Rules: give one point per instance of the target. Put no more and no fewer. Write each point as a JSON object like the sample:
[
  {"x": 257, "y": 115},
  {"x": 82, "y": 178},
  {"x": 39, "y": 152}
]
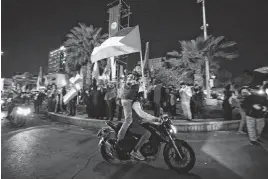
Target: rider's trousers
[{"x": 127, "y": 107}]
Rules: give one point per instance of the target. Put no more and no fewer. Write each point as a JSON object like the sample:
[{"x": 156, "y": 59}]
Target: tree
[
  {"x": 214, "y": 48},
  {"x": 243, "y": 79},
  {"x": 79, "y": 44},
  {"x": 173, "y": 71}
]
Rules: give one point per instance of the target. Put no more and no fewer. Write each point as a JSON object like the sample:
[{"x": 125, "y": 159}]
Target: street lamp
[{"x": 204, "y": 28}]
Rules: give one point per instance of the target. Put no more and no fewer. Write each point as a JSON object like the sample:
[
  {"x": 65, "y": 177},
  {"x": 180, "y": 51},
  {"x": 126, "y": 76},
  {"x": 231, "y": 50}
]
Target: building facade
[{"x": 56, "y": 60}]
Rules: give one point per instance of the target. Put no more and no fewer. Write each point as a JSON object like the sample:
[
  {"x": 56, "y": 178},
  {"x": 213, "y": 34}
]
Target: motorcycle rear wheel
[{"x": 185, "y": 149}]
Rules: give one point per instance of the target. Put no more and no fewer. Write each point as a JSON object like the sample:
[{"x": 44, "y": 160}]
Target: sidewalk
[{"x": 181, "y": 125}]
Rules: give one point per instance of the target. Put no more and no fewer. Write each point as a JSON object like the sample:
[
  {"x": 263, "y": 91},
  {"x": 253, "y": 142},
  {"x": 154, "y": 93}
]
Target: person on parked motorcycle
[{"x": 134, "y": 120}]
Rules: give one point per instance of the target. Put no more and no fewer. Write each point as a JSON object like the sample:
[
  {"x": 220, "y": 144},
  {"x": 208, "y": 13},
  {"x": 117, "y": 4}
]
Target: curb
[
  {"x": 181, "y": 126},
  {"x": 207, "y": 126}
]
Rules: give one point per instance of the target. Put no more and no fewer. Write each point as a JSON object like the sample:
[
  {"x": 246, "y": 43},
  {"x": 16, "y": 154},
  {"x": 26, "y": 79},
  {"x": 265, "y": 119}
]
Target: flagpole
[{"x": 142, "y": 74}]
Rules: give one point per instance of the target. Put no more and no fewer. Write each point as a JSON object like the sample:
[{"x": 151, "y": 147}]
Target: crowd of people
[
  {"x": 102, "y": 101},
  {"x": 107, "y": 102},
  {"x": 252, "y": 105}
]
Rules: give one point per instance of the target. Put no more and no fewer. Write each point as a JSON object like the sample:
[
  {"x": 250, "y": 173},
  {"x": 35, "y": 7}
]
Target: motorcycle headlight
[
  {"x": 173, "y": 129},
  {"x": 23, "y": 111},
  {"x": 261, "y": 92}
]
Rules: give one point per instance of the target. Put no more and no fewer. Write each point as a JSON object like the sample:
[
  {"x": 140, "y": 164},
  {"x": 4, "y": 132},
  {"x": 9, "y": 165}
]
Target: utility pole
[{"x": 204, "y": 28}]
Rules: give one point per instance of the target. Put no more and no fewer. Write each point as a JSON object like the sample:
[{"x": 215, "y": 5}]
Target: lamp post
[{"x": 204, "y": 28}]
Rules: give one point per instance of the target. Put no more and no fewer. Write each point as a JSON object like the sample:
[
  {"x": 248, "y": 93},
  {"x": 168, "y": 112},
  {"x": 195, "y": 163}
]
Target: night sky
[{"x": 31, "y": 28}]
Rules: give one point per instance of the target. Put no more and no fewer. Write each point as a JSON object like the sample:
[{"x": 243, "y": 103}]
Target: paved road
[{"x": 58, "y": 151}]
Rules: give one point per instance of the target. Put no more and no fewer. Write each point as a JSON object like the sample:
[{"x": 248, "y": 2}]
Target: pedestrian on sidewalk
[
  {"x": 95, "y": 96},
  {"x": 166, "y": 101},
  {"x": 236, "y": 103},
  {"x": 173, "y": 101},
  {"x": 118, "y": 101},
  {"x": 255, "y": 108},
  {"x": 63, "y": 93},
  {"x": 110, "y": 98},
  {"x": 198, "y": 98},
  {"x": 158, "y": 98},
  {"x": 102, "y": 105},
  {"x": 227, "y": 105},
  {"x": 185, "y": 95},
  {"x": 72, "y": 106}
]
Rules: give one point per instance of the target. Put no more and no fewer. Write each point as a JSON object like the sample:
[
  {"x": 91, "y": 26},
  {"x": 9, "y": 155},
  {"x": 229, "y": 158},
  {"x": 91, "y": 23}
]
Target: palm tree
[
  {"x": 214, "y": 48},
  {"x": 79, "y": 44}
]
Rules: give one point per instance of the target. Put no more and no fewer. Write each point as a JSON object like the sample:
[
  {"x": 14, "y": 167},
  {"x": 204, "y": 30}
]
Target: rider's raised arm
[{"x": 145, "y": 116}]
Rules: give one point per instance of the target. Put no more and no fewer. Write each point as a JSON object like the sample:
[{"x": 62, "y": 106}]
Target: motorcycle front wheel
[
  {"x": 174, "y": 162},
  {"x": 107, "y": 151},
  {"x": 19, "y": 121}
]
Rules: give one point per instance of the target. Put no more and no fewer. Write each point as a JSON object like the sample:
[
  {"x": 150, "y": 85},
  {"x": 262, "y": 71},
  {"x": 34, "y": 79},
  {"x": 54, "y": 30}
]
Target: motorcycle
[
  {"x": 20, "y": 113},
  {"x": 178, "y": 154}
]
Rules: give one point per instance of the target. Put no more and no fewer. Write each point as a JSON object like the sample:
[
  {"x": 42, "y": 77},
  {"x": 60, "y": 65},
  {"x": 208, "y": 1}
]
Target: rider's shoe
[{"x": 137, "y": 155}]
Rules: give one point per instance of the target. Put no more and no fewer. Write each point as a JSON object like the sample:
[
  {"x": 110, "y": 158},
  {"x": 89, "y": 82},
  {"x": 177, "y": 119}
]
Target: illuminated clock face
[{"x": 114, "y": 25}]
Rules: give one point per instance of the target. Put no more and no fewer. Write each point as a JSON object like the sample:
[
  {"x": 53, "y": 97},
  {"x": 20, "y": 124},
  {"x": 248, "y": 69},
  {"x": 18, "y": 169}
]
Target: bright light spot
[
  {"x": 174, "y": 129},
  {"x": 64, "y": 82},
  {"x": 260, "y": 92},
  {"x": 77, "y": 86},
  {"x": 23, "y": 111}
]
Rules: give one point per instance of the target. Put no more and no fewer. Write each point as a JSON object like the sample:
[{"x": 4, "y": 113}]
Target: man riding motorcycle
[
  {"x": 134, "y": 116},
  {"x": 16, "y": 98}
]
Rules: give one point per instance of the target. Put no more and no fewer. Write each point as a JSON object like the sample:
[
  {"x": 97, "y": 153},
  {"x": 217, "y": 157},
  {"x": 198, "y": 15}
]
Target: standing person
[
  {"x": 185, "y": 95},
  {"x": 166, "y": 100},
  {"x": 102, "y": 102},
  {"x": 95, "y": 96},
  {"x": 119, "y": 104},
  {"x": 198, "y": 101},
  {"x": 58, "y": 101},
  {"x": 255, "y": 107},
  {"x": 173, "y": 101},
  {"x": 63, "y": 93},
  {"x": 72, "y": 106},
  {"x": 110, "y": 98},
  {"x": 236, "y": 103},
  {"x": 51, "y": 99},
  {"x": 157, "y": 99},
  {"x": 227, "y": 105},
  {"x": 87, "y": 100}
]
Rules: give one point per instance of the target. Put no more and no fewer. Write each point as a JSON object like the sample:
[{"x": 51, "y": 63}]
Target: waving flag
[{"x": 125, "y": 41}]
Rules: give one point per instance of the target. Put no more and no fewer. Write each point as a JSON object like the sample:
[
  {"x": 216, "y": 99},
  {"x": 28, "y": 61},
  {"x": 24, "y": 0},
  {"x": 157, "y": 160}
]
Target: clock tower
[{"x": 119, "y": 17}]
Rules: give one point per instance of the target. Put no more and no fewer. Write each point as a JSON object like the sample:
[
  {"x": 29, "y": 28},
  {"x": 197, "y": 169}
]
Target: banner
[{"x": 114, "y": 16}]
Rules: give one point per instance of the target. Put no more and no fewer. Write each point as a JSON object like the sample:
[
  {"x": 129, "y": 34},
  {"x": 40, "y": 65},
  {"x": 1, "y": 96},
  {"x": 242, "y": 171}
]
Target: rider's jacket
[
  {"x": 138, "y": 114},
  {"x": 130, "y": 91}
]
